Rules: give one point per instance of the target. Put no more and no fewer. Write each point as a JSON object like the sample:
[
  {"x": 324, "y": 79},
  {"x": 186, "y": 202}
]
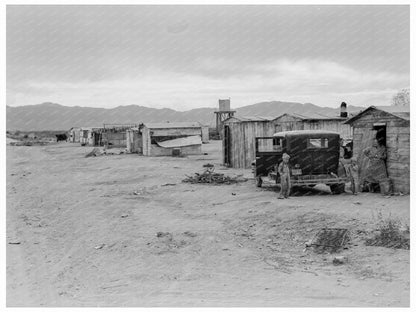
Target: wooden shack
[
  {"x": 134, "y": 140},
  {"x": 391, "y": 124},
  {"x": 171, "y": 138},
  {"x": 238, "y": 143},
  {"x": 91, "y": 136},
  {"x": 85, "y": 137},
  {"x": 239, "y": 133},
  {"x": 74, "y": 135},
  {"x": 114, "y": 135},
  {"x": 97, "y": 136}
]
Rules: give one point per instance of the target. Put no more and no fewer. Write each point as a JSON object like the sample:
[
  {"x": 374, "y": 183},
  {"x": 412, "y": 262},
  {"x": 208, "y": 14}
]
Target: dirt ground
[{"x": 83, "y": 232}]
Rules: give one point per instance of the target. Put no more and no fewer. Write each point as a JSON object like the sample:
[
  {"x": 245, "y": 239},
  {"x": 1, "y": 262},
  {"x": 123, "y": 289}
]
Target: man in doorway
[
  {"x": 376, "y": 171},
  {"x": 284, "y": 172},
  {"x": 341, "y": 149}
]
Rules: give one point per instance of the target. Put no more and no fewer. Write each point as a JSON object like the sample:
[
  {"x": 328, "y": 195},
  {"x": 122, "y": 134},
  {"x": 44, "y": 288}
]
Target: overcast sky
[{"x": 185, "y": 57}]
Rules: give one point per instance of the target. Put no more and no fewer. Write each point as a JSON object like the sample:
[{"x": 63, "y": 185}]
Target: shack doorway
[
  {"x": 97, "y": 139},
  {"x": 227, "y": 142},
  {"x": 380, "y": 130}
]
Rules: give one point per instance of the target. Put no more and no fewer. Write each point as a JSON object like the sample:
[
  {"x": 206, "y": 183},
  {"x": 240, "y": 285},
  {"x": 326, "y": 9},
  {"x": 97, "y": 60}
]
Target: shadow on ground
[{"x": 301, "y": 190}]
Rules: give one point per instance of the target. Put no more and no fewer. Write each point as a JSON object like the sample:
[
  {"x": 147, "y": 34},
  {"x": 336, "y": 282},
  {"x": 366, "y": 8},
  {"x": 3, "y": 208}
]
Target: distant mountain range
[{"x": 51, "y": 116}]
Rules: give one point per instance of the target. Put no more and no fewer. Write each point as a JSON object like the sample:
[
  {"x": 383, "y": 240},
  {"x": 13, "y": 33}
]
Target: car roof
[{"x": 305, "y": 133}]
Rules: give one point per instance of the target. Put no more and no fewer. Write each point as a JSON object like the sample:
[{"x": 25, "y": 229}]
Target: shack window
[
  {"x": 317, "y": 143},
  {"x": 269, "y": 145}
]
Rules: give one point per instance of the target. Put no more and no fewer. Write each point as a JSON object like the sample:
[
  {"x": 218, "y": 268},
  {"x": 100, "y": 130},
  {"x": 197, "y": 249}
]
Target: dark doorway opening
[
  {"x": 97, "y": 139},
  {"x": 380, "y": 134},
  {"x": 227, "y": 142}
]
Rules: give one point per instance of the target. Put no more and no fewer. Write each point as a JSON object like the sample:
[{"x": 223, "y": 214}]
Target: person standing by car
[
  {"x": 352, "y": 173},
  {"x": 284, "y": 172}
]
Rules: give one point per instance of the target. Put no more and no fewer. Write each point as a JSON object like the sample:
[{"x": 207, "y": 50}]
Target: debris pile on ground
[
  {"x": 101, "y": 246},
  {"x": 190, "y": 234},
  {"x": 165, "y": 242},
  {"x": 329, "y": 239},
  {"x": 339, "y": 260},
  {"x": 163, "y": 234},
  {"x": 209, "y": 176},
  {"x": 115, "y": 151},
  {"x": 95, "y": 152},
  {"x": 98, "y": 152}
]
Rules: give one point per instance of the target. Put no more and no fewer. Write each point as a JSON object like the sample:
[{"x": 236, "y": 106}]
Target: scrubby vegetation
[
  {"x": 33, "y": 135},
  {"x": 391, "y": 233}
]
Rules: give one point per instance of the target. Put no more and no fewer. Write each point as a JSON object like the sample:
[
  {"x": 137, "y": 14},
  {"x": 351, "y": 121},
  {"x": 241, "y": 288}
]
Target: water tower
[{"x": 224, "y": 112}]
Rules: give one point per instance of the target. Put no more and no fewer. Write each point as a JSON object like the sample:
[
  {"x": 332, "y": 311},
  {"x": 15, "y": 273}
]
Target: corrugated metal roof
[
  {"x": 90, "y": 128},
  {"x": 315, "y": 116},
  {"x": 170, "y": 125},
  {"x": 297, "y": 132},
  {"x": 303, "y": 116},
  {"x": 251, "y": 118},
  {"x": 187, "y": 141}
]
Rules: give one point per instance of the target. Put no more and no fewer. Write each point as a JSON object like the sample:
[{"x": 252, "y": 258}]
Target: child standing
[
  {"x": 352, "y": 172},
  {"x": 284, "y": 172}
]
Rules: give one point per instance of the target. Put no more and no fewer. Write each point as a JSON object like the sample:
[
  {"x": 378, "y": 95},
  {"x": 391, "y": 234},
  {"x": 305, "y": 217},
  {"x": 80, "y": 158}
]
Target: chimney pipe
[{"x": 343, "y": 112}]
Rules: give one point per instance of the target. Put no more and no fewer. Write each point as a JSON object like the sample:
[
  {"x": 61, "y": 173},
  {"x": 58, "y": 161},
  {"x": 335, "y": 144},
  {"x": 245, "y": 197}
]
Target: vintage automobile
[{"x": 314, "y": 158}]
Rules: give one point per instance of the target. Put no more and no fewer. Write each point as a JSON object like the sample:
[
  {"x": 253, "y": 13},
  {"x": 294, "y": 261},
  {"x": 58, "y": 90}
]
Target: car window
[
  {"x": 317, "y": 143},
  {"x": 277, "y": 144},
  {"x": 269, "y": 145}
]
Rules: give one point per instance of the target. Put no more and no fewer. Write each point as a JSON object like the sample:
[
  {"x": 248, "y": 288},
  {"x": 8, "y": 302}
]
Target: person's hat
[{"x": 285, "y": 156}]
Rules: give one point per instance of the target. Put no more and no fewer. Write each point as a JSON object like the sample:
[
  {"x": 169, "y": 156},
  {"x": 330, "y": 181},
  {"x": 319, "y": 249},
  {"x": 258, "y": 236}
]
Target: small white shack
[
  {"x": 204, "y": 133},
  {"x": 171, "y": 139},
  {"x": 86, "y": 136},
  {"x": 74, "y": 134}
]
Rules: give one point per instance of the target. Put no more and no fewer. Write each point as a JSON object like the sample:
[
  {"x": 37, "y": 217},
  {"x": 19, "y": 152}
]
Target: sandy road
[{"x": 86, "y": 229}]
